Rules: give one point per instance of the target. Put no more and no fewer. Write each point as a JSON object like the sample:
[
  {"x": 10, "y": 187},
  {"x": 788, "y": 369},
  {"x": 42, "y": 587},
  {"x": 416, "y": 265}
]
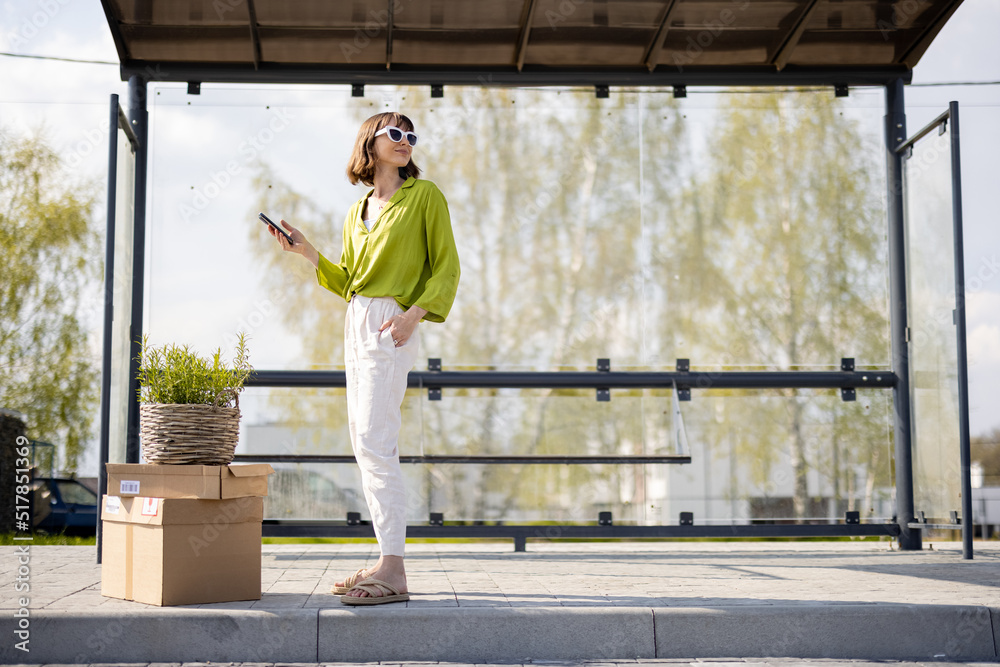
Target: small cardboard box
[
  {"x": 171, "y": 551},
  {"x": 179, "y": 481}
]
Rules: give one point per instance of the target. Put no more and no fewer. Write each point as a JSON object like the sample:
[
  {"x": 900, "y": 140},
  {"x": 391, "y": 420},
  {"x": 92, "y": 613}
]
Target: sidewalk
[{"x": 483, "y": 602}]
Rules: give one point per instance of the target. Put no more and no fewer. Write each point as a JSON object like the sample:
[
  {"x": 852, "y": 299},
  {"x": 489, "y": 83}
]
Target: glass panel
[
  {"x": 533, "y": 423},
  {"x": 930, "y": 265},
  {"x": 763, "y": 232},
  {"x": 737, "y": 230},
  {"x": 756, "y": 456},
  {"x": 315, "y": 491},
  {"x": 763, "y": 456},
  {"x": 583, "y": 232},
  {"x": 122, "y": 322}
]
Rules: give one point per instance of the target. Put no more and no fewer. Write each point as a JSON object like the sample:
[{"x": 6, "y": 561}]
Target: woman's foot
[
  {"x": 388, "y": 569},
  {"x": 341, "y": 587}
]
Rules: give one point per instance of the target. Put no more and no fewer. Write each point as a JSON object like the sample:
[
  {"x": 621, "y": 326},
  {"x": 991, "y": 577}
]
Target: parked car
[{"x": 64, "y": 505}]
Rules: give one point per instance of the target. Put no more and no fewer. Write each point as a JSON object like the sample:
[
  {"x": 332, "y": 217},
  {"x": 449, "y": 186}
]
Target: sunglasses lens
[
  {"x": 394, "y": 134},
  {"x": 412, "y": 138}
]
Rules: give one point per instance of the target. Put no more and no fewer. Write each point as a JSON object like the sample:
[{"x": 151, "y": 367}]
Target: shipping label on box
[
  {"x": 182, "y": 481},
  {"x": 150, "y": 506},
  {"x": 112, "y": 504},
  {"x": 129, "y": 487}
]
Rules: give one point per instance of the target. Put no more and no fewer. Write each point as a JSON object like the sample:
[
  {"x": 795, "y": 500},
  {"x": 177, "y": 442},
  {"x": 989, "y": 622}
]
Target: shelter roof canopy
[{"x": 531, "y": 41}]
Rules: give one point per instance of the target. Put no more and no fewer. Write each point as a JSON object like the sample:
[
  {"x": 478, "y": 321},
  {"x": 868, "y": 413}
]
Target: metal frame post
[
  {"x": 895, "y": 134},
  {"x": 963, "y": 365},
  {"x": 109, "y": 286},
  {"x": 138, "y": 117}
]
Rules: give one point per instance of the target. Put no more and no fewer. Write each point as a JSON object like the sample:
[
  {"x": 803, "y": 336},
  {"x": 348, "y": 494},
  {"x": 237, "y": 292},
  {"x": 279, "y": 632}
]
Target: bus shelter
[{"x": 604, "y": 46}]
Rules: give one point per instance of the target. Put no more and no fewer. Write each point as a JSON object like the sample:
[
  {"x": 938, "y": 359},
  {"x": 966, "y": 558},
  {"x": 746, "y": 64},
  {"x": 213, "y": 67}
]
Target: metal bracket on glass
[
  {"x": 920, "y": 522},
  {"x": 687, "y": 518},
  {"x": 434, "y": 393},
  {"x": 841, "y": 90},
  {"x": 908, "y": 153},
  {"x": 436, "y": 519},
  {"x": 354, "y": 518},
  {"x": 357, "y": 90},
  {"x": 681, "y": 447},
  {"x": 847, "y": 393},
  {"x": 683, "y": 393},
  {"x": 604, "y": 519},
  {"x": 603, "y": 393},
  {"x": 680, "y": 91},
  {"x": 437, "y": 90},
  {"x": 853, "y": 518},
  {"x": 602, "y": 91},
  {"x": 943, "y": 127}
]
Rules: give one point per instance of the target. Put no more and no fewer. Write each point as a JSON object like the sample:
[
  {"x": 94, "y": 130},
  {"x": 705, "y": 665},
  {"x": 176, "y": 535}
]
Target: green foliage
[
  {"x": 51, "y": 262},
  {"x": 43, "y": 539},
  {"x": 174, "y": 374}
]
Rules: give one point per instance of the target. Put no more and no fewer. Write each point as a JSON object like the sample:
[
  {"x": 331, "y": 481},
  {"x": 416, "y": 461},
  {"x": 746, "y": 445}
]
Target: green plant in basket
[
  {"x": 175, "y": 374},
  {"x": 190, "y": 412}
]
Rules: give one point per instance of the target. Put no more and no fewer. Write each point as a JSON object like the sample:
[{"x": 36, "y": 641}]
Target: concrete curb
[
  {"x": 509, "y": 634},
  {"x": 869, "y": 632},
  {"x": 485, "y": 634},
  {"x": 177, "y": 635}
]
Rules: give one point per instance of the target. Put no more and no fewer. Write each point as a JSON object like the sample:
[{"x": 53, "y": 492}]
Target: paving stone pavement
[
  {"x": 606, "y": 574},
  {"x": 589, "y": 603},
  {"x": 717, "y": 662}
]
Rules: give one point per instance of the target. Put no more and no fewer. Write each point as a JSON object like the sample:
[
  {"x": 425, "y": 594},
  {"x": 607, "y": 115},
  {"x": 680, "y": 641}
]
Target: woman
[{"x": 398, "y": 266}]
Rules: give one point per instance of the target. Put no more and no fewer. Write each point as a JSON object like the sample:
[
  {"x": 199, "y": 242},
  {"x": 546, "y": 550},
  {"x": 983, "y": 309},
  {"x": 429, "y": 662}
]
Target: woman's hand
[
  {"x": 402, "y": 326},
  {"x": 301, "y": 246}
]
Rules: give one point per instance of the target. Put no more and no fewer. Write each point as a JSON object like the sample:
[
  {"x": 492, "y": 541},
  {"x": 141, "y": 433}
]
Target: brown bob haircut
[{"x": 361, "y": 166}]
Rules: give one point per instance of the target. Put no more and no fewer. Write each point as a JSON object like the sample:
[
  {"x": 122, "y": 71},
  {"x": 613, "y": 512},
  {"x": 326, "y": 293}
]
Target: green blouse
[{"x": 409, "y": 254}]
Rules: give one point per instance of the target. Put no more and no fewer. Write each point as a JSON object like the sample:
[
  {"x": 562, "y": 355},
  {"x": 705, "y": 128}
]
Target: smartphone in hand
[{"x": 267, "y": 221}]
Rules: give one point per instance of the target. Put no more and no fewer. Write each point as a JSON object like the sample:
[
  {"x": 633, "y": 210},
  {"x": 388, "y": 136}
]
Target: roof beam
[
  {"x": 653, "y": 50},
  {"x": 401, "y": 74},
  {"x": 388, "y": 34},
  {"x": 784, "y": 52},
  {"x": 527, "y": 16},
  {"x": 920, "y": 44},
  {"x": 254, "y": 34}
]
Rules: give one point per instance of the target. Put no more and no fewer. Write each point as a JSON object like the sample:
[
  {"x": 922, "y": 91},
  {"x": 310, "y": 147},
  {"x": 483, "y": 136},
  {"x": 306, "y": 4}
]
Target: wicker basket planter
[
  {"x": 190, "y": 405},
  {"x": 188, "y": 434}
]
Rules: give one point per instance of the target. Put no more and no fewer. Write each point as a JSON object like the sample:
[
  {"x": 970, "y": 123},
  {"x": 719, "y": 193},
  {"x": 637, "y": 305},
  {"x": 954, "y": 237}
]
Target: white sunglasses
[{"x": 396, "y": 134}]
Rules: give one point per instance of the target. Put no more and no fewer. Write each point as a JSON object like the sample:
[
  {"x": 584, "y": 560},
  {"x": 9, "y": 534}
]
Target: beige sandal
[
  {"x": 374, "y": 587},
  {"x": 350, "y": 582}
]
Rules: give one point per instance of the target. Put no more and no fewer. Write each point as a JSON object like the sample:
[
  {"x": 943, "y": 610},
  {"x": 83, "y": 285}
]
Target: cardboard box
[
  {"x": 178, "y": 481},
  {"x": 171, "y": 551}
]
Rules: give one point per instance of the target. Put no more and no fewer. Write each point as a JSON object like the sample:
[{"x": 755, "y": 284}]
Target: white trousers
[{"x": 376, "y": 382}]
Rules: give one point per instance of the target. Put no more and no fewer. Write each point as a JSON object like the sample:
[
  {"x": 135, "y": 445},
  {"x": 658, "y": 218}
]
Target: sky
[{"x": 199, "y": 172}]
